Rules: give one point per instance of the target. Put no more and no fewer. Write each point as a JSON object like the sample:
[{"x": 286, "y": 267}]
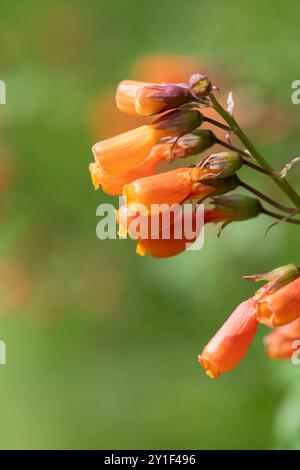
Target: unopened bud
[
  {"x": 182, "y": 121},
  {"x": 222, "y": 185},
  {"x": 192, "y": 144},
  {"x": 222, "y": 164},
  {"x": 200, "y": 85},
  {"x": 238, "y": 207},
  {"x": 154, "y": 99}
]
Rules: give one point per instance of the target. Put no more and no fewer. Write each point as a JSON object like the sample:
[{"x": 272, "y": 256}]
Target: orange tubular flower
[
  {"x": 278, "y": 346},
  {"x": 281, "y": 306},
  {"x": 165, "y": 248},
  {"x": 126, "y": 95},
  {"x": 279, "y": 343},
  {"x": 162, "y": 248},
  {"x": 113, "y": 184},
  {"x": 185, "y": 146},
  {"x": 171, "y": 187},
  {"x": 229, "y": 345},
  {"x": 124, "y": 217},
  {"x": 291, "y": 330},
  {"x": 119, "y": 154}
]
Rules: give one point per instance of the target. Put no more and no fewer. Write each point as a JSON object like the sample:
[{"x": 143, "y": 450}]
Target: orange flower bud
[
  {"x": 291, "y": 330},
  {"x": 119, "y": 154},
  {"x": 279, "y": 343},
  {"x": 191, "y": 144},
  {"x": 154, "y": 99},
  {"x": 169, "y": 188},
  {"x": 126, "y": 215},
  {"x": 185, "y": 146},
  {"x": 113, "y": 184},
  {"x": 278, "y": 346},
  {"x": 229, "y": 345},
  {"x": 280, "y": 307},
  {"x": 123, "y": 218},
  {"x": 160, "y": 247},
  {"x": 126, "y": 95}
]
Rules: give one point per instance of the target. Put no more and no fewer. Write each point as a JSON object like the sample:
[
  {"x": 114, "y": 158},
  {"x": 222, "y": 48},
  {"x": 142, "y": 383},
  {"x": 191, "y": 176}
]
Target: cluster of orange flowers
[
  {"x": 127, "y": 165},
  {"x": 277, "y": 304}
]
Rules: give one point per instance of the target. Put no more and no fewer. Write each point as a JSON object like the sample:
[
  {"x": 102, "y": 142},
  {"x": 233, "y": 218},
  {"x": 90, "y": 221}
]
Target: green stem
[
  {"x": 289, "y": 219},
  {"x": 281, "y": 182},
  {"x": 232, "y": 147},
  {"x": 245, "y": 154},
  {"x": 266, "y": 198},
  {"x": 218, "y": 124}
]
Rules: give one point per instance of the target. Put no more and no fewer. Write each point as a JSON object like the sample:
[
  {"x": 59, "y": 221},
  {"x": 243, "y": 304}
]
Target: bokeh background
[{"x": 102, "y": 344}]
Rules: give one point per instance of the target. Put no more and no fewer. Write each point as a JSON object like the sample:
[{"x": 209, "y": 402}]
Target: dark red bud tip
[
  {"x": 166, "y": 93},
  {"x": 206, "y": 137},
  {"x": 221, "y": 185},
  {"x": 182, "y": 121},
  {"x": 200, "y": 85},
  {"x": 192, "y": 143},
  {"x": 155, "y": 99},
  {"x": 225, "y": 185}
]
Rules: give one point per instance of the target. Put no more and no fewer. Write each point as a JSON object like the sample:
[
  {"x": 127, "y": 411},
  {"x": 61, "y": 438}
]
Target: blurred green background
[{"x": 102, "y": 344}]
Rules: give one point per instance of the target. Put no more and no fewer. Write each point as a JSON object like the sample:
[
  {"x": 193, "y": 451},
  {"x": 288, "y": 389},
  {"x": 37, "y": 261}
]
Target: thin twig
[
  {"x": 259, "y": 168},
  {"x": 218, "y": 124},
  {"x": 266, "y": 198},
  {"x": 234, "y": 148},
  {"x": 280, "y": 217}
]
